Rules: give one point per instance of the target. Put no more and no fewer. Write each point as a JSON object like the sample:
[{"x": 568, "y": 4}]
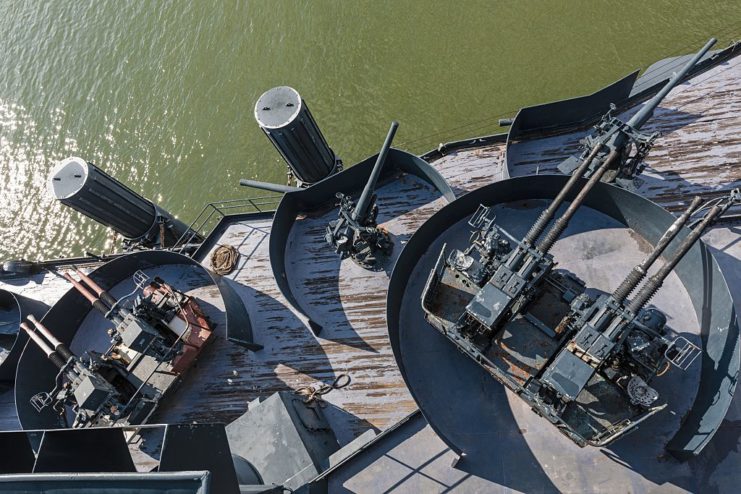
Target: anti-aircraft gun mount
[
  {"x": 621, "y": 145},
  {"x": 596, "y": 356},
  {"x": 355, "y": 233},
  {"x": 95, "y": 391},
  {"x": 154, "y": 341},
  {"x": 300, "y": 222}
]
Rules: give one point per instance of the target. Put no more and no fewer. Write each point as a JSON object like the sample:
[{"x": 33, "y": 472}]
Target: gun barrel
[
  {"x": 94, "y": 301},
  {"x": 256, "y": 184},
  {"x": 102, "y": 294},
  {"x": 645, "y": 113},
  {"x": 363, "y": 206},
  {"x": 561, "y": 223},
  {"x": 639, "y": 272},
  {"x": 43, "y": 346},
  {"x": 654, "y": 283},
  {"x": 58, "y": 346},
  {"x": 537, "y": 229}
]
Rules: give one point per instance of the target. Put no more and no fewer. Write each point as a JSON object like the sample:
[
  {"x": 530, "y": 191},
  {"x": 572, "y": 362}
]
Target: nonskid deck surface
[{"x": 698, "y": 153}]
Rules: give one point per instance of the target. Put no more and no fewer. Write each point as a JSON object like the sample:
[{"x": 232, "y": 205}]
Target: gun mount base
[
  {"x": 367, "y": 244},
  {"x": 371, "y": 249}
]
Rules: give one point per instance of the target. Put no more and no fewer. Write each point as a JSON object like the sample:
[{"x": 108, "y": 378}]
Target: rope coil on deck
[
  {"x": 224, "y": 259},
  {"x": 315, "y": 393}
]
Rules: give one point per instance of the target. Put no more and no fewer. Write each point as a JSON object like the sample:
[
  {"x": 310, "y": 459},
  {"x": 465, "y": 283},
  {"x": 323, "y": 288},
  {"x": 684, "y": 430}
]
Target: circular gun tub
[
  {"x": 496, "y": 433},
  {"x": 73, "y": 320}
]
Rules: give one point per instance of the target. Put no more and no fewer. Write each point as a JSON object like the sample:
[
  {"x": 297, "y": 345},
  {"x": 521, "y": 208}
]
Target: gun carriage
[{"x": 153, "y": 342}]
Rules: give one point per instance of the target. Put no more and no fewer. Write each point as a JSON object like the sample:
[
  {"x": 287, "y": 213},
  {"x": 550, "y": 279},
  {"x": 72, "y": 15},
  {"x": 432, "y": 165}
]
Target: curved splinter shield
[
  {"x": 14, "y": 309},
  {"x": 430, "y": 363},
  {"x": 322, "y": 195}
]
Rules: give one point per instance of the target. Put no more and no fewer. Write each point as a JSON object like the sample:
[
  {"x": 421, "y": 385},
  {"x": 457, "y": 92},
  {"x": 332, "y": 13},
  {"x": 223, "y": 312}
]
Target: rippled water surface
[{"x": 160, "y": 94}]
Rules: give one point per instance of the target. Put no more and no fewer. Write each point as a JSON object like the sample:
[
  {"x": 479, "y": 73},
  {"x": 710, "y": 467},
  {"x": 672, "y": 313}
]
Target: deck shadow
[
  {"x": 228, "y": 377},
  {"x": 538, "y": 154},
  {"x": 320, "y": 279}
]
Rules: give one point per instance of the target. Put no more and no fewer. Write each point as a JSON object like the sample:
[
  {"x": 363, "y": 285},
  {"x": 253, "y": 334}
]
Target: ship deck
[{"x": 698, "y": 153}]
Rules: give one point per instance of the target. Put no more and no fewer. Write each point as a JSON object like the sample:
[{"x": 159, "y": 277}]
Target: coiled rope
[
  {"x": 224, "y": 259},
  {"x": 315, "y": 393}
]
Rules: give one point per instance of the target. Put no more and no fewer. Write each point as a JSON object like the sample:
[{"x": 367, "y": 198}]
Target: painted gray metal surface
[
  {"x": 36, "y": 373},
  {"x": 559, "y": 116},
  {"x": 89, "y": 190},
  {"x": 17, "y": 308},
  {"x": 288, "y": 442},
  {"x": 108, "y": 483},
  {"x": 576, "y": 114},
  {"x": 83, "y": 450},
  {"x": 645, "y": 86},
  {"x": 446, "y": 405},
  {"x": 76, "y": 452},
  {"x": 659, "y": 72},
  {"x": 322, "y": 195},
  {"x": 200, "y": 447}
]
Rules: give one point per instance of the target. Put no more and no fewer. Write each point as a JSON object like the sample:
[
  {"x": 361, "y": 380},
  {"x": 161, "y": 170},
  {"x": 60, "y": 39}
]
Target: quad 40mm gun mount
[
  {"x": 597, "y": 357},
  {"x": 355, "y": 233},
  {"x": 152, "y": 344},
  {"x": 620, "y": 145},
  {"x": 88, "y": 189}
]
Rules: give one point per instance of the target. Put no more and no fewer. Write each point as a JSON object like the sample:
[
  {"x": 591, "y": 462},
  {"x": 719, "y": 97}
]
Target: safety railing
[{"x": 213, "y": 212}]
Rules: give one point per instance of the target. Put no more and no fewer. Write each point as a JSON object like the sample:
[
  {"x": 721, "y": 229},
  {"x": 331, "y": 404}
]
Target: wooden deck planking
[
  {"x": 698, "y": 150},
  {"x": 346, "y": 300}
]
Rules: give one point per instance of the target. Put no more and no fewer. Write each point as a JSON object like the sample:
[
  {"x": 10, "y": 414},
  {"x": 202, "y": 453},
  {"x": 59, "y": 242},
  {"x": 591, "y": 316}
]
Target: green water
[{"x": 160, "y": 94}]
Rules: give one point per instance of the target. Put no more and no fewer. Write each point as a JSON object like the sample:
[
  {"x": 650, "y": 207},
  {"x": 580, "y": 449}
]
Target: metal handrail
[{"x": 221, "y": 209}]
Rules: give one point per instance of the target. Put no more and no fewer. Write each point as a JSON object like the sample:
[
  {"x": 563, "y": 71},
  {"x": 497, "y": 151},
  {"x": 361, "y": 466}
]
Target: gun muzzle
[
  {"x": 57, "y": 345},
  {"x": 94, "y": 301},
  {"x": 102, "y": 294},
  {"x": 57, "y": 360},
  {"x": 645, "y": 113},
  {"x": 639, "y": 272}
]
